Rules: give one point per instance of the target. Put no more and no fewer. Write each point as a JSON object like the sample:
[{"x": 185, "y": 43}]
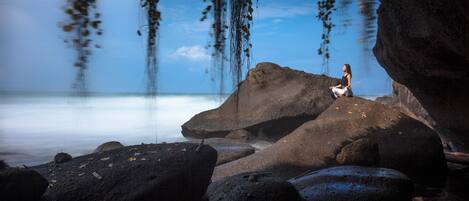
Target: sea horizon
[{"x": 36, "y": 126}]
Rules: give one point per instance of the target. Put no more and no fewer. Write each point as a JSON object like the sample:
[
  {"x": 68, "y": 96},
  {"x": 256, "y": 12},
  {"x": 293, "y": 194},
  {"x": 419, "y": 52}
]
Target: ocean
[{"x": 33, "y": 128}]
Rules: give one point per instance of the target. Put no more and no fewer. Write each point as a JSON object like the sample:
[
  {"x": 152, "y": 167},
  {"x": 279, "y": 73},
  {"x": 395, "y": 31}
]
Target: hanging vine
[
  {"x": 240, "y": 37},
  {"x": 153, "y": 18},
  {"x": 217, "y": 9},
  {"x": 368, "y": 29},
  {"x": 325, "y": 9},
  {"x": 241, "y": 15},
  {"x": 82, "y": 23}
]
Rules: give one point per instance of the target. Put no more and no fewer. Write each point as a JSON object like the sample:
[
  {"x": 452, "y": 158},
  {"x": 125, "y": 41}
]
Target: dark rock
[
  {"x": 3, "y": 165},
  {"x": 406, "y": 101},
  {"x": 227, "y": 150},
  {"x": 240, "y": 135},
  {"x": 424, "y": 45},
  {"x": 361, "y": 152},
  {"x": 254, "y": 186},
  {"x": 354, "y": 183},
  {"x": 62, "y": 157},
  {"x": 170, "y": 172},
  {"x": 270, "y": 103},
  {"x": 404, "y": 143},
  {"x": 20, "y": 184},
  {"x": 108, "y": 146}
]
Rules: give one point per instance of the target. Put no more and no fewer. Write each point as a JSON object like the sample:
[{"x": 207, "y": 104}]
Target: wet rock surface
[
  {"x": 404, "y": 143},
  {"x": 177, "y": 171},
  {"x": 62, "y": 157},
  {"x": 424, "y": 45},
  {"x": 354, "y": 183},
  {"x": 107, "y": 146},
  {"x": 227, "y": 150},
  {"x": 270, "y": 103},
  {"x": 254, "y": 186},
  {"x": 21, "y": 184}
]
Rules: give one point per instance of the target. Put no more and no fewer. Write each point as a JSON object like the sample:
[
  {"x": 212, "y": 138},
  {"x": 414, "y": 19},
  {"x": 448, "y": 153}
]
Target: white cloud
[
  {"x": 194, "y": 53},
  {"x": 283, "y": 11}
]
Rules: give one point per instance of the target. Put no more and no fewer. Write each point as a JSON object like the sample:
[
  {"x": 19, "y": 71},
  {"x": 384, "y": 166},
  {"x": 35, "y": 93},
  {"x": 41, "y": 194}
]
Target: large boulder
[
  {"x": 347, "y": 183},
  {"x": 424, "y": 45},
  {"x": 252, "y": 186},
  {"x": 270, "y": 103},
  {"x": 21, "y": 184},
  {"x": 171, "y": 172},
  {"x": 227, "y": 150},
  {"x": 403, "y": 143}
]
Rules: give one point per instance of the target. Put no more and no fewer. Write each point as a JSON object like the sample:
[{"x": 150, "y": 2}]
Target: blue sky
[{"x": 34, "y": 58}]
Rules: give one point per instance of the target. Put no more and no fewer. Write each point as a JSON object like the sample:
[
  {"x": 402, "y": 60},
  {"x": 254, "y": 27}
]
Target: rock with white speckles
[{"x": 137, "y": 173}]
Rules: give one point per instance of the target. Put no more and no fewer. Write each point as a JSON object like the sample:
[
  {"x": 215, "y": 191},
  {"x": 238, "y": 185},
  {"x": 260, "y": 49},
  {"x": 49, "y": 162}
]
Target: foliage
[
  {"x": 217, "y": 9},
  {"x": 239, "y": 33},
  {"x": 240, "y": 37},
  {"x": 325, "y": 9},
  {"x": 82, "y": 23},
  {"x": 153, "y": 18},
  {"x": 367, "y": 10}
]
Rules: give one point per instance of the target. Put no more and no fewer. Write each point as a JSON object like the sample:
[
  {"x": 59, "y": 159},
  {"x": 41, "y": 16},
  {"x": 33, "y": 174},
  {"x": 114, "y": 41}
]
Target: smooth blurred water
[{"x": 34, "y": 128}]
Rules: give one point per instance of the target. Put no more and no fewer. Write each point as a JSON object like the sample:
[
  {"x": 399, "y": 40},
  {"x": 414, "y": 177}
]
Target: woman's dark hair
[{"x": 348, "y": 69}]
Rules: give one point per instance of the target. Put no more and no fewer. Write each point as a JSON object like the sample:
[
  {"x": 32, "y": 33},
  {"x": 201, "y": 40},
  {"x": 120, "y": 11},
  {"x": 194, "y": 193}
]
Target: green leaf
[{"x": 67, "y": 28}]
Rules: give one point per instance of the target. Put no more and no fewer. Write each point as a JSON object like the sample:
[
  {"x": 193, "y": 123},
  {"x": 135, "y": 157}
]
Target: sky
[{"x": 33, "y": 56}]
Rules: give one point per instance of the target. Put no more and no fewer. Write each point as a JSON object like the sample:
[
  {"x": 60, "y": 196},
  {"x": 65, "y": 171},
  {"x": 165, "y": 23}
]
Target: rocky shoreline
[
  {"x": 409, "y": 148},
  {"x": 353, "y": 149}
]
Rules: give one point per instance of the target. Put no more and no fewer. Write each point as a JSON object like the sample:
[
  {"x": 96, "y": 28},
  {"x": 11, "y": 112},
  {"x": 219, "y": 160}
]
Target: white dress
[{"x": 339, "y": 91}]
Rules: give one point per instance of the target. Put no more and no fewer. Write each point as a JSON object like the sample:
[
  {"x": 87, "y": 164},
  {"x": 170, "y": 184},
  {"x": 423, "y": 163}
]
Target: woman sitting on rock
[{"x": 345, "y": 86}]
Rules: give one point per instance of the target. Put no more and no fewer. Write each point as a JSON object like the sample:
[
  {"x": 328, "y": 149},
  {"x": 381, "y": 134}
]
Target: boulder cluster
[{"x": 322, "y": 149}]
